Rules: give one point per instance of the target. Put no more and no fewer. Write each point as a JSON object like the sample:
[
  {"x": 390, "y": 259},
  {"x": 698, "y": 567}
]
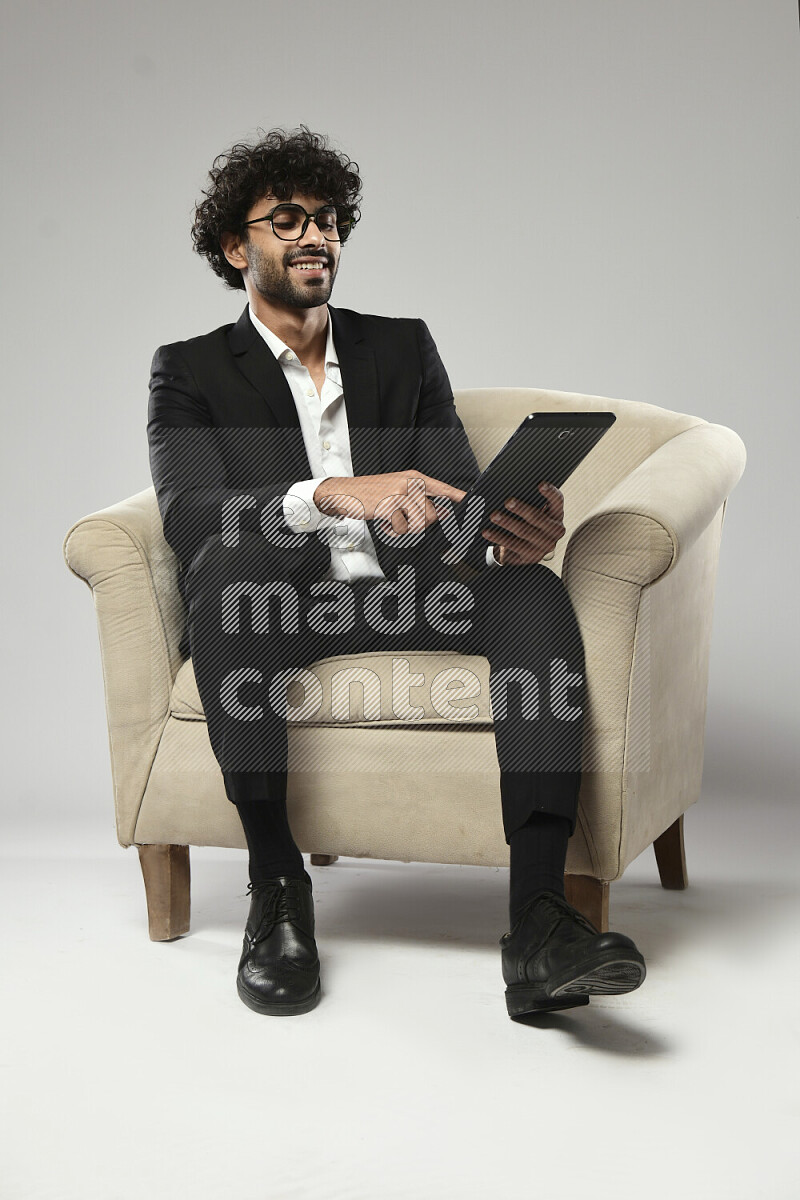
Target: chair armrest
[
  {"x": 120, "y": 552},
  {"x": 639, "y": 530},
  {"x": 633, "y": 537}
]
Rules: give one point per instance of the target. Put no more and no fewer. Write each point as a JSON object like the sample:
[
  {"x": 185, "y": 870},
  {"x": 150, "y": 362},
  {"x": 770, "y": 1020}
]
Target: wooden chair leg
[
  {"x": 323, "y": 860},
  {"x": 671, "y": 856},
  {"x": 590, "y": 897},
  {"x": 165, "y": 870}
]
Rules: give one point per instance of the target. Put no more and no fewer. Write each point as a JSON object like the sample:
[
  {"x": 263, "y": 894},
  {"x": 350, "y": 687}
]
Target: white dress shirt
[{"x": 326, "y": 436}]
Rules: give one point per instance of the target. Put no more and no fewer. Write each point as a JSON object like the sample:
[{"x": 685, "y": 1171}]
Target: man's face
[{"x": 299, "y": 274}]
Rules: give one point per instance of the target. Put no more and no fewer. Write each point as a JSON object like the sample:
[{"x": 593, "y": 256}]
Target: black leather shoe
[
  {"x": 555, "y": 958},
  {"x": 279, "y": 967}
]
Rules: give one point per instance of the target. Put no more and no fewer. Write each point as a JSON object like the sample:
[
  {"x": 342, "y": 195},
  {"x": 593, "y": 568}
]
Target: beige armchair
[{"x": 644, "y": 517}]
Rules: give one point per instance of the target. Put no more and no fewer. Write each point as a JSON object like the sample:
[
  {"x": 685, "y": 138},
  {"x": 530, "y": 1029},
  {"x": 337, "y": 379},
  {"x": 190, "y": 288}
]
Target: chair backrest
[{"x": 490, "y": 416}]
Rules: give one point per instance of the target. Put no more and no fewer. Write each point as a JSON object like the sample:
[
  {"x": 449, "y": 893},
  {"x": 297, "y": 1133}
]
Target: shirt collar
[{"x": 281, "y": 350}]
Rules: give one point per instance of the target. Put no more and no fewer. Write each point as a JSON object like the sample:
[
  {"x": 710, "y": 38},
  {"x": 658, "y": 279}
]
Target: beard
[{"x": 273, "y": 280}]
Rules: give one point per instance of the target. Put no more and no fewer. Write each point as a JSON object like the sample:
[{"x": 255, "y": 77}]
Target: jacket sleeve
[{"x": 196, "y": 498}]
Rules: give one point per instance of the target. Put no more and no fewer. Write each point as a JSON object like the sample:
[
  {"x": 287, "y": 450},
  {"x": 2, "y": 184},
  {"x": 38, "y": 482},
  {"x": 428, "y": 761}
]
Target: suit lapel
[
  {"x": 260, "y": 367},
  {"x": 359, "y": 382},
  {"x": 361, "y": 391}
]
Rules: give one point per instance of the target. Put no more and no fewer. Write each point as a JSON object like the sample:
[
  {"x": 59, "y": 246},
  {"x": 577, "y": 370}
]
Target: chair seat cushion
[{"x": 414, "y": 687}]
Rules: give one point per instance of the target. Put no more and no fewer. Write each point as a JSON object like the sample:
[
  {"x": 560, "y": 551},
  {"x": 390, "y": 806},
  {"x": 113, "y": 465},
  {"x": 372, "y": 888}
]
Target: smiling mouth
[{"x": 315, "y": 265}]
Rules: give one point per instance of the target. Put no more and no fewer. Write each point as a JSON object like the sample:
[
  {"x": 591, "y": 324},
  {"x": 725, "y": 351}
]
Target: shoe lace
[
  {"x": 279, "y": 902},
  {"x": 565, "y": 910}
]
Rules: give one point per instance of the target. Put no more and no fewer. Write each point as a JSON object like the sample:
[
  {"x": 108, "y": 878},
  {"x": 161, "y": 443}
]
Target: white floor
[{"x": 133, "y": 1072}]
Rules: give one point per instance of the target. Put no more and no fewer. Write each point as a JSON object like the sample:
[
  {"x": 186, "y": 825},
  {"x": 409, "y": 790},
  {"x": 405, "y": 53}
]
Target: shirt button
[
  {"x": 350, "y": 546},
  {"x": 309, "y": 391},
  {"x": 326, "y": 445},
  {"x": 289, "y": 356}
]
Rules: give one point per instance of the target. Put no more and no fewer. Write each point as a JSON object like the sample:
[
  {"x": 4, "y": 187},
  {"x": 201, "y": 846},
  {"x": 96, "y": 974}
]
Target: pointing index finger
[{"x": 437, "y": 487}]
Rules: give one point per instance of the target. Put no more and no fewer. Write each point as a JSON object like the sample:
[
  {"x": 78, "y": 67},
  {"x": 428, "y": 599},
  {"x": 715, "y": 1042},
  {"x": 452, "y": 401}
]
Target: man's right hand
[{"x": 402, "y": 500}]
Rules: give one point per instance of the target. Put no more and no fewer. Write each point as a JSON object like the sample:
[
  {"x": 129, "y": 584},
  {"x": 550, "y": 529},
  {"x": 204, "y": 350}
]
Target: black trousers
[{"x": 254, "y": 620}]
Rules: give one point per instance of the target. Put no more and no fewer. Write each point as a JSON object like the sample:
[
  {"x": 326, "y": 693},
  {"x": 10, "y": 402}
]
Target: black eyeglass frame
[{"x": 351, "y": 222}]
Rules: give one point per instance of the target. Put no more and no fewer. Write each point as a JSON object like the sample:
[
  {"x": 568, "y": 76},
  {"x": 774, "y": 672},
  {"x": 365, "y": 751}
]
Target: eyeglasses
[{"x": 290, "y": 221}]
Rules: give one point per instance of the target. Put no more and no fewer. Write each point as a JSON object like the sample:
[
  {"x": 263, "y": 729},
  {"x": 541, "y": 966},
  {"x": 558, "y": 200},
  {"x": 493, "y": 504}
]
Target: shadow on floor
[{"x": 360, "y": 899}]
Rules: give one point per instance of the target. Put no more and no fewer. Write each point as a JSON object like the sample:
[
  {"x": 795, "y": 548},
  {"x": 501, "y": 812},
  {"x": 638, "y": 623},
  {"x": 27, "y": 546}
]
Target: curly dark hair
[{"x": 281, "y": 163}]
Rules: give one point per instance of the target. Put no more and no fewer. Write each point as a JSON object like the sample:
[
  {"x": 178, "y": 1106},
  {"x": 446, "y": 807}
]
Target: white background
[{"x": 597, "y": 196}]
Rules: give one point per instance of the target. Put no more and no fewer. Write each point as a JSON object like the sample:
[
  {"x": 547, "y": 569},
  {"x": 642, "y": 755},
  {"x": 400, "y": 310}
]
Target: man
[{"x": 307, "y": 452}]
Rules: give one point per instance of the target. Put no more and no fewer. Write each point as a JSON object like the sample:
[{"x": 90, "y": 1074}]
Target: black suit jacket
[{"x": 223, "y": 423}]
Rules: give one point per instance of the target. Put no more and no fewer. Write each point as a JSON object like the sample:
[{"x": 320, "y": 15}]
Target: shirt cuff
[
  {"x": 299, "y": 510},
  {"x": 491, "y": 561}
]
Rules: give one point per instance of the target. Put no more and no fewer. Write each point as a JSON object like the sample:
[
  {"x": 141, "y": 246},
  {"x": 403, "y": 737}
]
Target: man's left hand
[{"x": 532, "y": 532}]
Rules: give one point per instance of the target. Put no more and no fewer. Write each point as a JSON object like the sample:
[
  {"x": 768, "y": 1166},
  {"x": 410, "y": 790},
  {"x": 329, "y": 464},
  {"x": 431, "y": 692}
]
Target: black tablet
[{"x": 546, "y": 448}]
